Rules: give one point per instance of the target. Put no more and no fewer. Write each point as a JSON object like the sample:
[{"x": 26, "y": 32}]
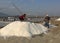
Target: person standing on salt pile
[
  {"x": 22, "y": 17},
  {"x": 46, "y": 20}
]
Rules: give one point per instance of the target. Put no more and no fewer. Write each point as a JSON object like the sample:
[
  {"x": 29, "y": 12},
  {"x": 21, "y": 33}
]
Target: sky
[{"x": 30, "y": 7}]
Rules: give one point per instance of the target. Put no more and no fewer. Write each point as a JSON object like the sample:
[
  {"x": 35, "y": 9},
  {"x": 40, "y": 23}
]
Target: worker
[
  {"x": 46, "y": 20},
  {"x": 22, "y": 17}
]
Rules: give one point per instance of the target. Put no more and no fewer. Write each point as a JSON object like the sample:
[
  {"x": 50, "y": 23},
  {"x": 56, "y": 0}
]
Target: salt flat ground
[{"x": 53, "y": 36}]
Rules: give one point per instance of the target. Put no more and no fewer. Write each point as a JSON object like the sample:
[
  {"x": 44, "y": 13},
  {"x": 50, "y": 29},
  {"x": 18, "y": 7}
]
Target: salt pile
[
  {"x": 57, "y": 19},
  {"x": 50, "y": 25},
  {"x": 23, "y": 29}
]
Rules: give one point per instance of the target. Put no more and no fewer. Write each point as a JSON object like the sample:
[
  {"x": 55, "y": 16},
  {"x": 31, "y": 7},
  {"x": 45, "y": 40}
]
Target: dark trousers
[{"x": 46, "y": 24}]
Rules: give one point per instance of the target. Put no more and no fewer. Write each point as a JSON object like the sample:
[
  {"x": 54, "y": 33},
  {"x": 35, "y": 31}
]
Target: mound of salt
[
  {"x": 23, "y": 29},
  {"x": 57, "y": 19}
]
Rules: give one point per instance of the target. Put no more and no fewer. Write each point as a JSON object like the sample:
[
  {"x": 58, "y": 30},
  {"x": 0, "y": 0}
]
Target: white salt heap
[
  {"x": 50, "y": 25},
  {"x": 22, "y": 29},
  {"x": 57, "y": 19}
]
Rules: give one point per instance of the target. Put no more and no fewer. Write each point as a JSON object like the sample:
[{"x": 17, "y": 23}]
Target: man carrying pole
[
  {"x": 46, "y": 20},
  {"x": 22, "y": 17}
]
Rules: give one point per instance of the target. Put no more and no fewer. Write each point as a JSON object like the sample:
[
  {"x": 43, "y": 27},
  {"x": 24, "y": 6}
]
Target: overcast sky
[{"x": 32, "y": 7}]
